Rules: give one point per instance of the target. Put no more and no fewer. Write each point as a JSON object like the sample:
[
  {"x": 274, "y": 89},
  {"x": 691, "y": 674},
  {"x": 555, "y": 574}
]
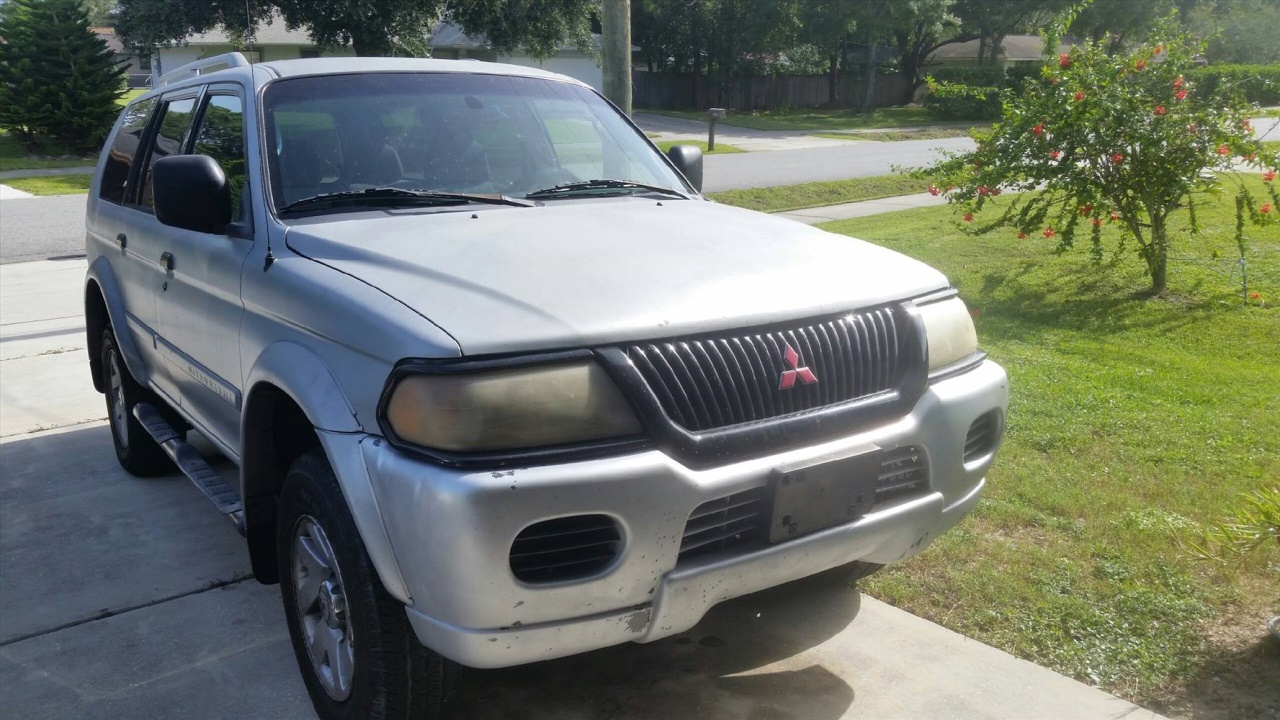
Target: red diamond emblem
[{"x": 797, "y": 372}]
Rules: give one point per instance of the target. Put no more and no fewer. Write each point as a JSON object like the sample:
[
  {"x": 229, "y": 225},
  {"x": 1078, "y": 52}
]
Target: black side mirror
[
  {"x": 191, "y": 192},
  {"x": 688, "y": 160}
]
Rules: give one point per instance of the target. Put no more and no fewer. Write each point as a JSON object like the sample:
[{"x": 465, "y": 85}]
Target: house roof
[
  {"x": 451, "y": 37},
  {"x": 1016, "y": 48},
  {"x": 109, "y": 36}
]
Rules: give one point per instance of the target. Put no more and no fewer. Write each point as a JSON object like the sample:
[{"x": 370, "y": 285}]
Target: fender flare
[
  {"x": 301, "y": 375},
  {"x": 103, "y": 274}
]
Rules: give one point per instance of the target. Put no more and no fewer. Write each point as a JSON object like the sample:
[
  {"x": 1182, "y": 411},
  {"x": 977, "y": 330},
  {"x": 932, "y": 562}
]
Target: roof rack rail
[{"x": 192, "y": 69}]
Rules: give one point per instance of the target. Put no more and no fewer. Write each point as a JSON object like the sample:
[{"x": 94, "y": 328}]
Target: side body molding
[{"x": 300, "y": 374}]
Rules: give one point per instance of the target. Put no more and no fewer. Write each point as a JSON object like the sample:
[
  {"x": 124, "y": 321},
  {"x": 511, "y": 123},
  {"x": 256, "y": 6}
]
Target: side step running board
[{"x": 192, "y": 464}]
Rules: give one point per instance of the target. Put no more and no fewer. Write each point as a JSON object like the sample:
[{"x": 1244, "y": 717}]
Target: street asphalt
[
  {"x": 130, "y": 598},
  {"x": 38, "y": 228}
]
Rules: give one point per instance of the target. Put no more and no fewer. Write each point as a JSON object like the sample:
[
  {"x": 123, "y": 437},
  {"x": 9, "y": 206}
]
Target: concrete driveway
[{"x": 129, "y": 598}]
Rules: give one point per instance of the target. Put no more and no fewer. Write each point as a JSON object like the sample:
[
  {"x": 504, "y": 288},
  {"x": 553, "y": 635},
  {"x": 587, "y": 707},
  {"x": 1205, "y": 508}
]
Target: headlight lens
[
  {"x": 950, "y": 331},
  {"x": 510, "y": 409}
]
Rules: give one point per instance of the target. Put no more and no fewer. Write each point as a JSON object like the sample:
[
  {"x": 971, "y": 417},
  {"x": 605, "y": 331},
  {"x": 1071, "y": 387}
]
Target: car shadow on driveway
[{"x": 742, "y": 661}]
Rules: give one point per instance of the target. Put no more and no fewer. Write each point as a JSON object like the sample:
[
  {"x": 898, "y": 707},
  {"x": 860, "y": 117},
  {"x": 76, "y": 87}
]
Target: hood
[{"x": 597, "y": 272}]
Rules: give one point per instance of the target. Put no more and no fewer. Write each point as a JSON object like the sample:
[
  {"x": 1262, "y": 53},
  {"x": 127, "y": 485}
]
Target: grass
[
  {"x": 1272, "y": 145},
  {"x": 721, "y": 148},
  {"x": 818, "y": 118},
  {"x": 816, "y": 194},
  {"x": 51, "y": 184},
  {"x": 898, "y": 135},
  {"x": 129, "y": 95},
  {"x": 1134, "y": 423}
]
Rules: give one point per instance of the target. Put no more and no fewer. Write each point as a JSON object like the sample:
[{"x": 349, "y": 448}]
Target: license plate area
[{"x": 808, "y": 498}]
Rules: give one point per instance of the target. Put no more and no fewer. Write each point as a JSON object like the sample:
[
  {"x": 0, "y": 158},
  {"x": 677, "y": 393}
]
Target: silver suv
[{"x": 501, "y": 386}]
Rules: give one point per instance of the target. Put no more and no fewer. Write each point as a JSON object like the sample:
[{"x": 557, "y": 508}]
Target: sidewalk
[{"x": 862, "y": 208}]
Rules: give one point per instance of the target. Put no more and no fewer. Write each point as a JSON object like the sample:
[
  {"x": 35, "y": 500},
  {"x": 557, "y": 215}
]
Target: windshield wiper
[
  {"x": 594, "y": 186},
  {"x": 391, "y": 195}
]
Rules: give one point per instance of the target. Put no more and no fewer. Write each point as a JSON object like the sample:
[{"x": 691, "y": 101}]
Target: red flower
[
  {"x": 1038, "y": 129},
  {"x": 1079, "y": 95},
  {"x": 995, "y": 192},
  {"x": 1248, "y": 126},
  {"x": 1115, "y": 215},
  {"x": 1255, "y": 296},
  {"x": 1055, "y": 154},
  {"x": 1224, "y": 149},
  {"x": 1193, "y": 128},
  {"x": 1048, "y": 232},
  {"x": 1266, "y": 208},
  {"x": 1269, "y": 175},
  {"x": 1140, "y": 65},
  {"x": 983, "y": 190},
  {"x": 1178, "y": 83},
  {"x": 1085, "y": 210},
  {"x": 1064, "y": 60},
  {"x": 1159, "y": 109},
  {"x": 1117, "y": 158},
  {"x": 1180, "y": 95},
  {"x": 1097, "y": 222},
  {"x": 1022, "y": 236},
  {"x": 933, "y": 190},
  {"x": 968, "y": 217},
  {"x": 1157, "y": 50}
]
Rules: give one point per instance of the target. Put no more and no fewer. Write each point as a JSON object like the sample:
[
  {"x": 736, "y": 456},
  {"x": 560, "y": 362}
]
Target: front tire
[
  {"x": 357, "y": 652},
  {"x": 137, "y": 451}
]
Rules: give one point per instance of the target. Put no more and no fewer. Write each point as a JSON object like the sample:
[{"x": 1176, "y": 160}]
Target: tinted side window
[
  {"x": 221, "y": 137},
  {"x": 175, "y": 128},
  {"x": 123, "y": 149}
]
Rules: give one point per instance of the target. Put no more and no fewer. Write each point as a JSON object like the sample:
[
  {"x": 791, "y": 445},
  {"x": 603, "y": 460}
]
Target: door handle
[
  {"x": 121, "y": 240},
  {"x": 166, "y": 260}
]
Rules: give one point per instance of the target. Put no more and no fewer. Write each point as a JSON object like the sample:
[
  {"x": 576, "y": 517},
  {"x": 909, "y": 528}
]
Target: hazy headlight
[
  {"x": 950, "y": 331},
  {"x": 509, "y": 409}
]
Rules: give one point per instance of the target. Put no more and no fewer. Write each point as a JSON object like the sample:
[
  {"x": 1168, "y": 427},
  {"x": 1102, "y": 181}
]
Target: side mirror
[
  {"x": 688, "y": 160},
  {"x": 191, "y": 192}
]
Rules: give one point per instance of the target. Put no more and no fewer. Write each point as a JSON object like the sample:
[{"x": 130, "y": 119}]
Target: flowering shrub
[{"x": 1128, "y": 140}]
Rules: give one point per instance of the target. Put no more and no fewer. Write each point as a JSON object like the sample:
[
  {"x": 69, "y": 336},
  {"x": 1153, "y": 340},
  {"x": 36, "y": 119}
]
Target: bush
[
  {"x": 975, "y": 75},
  {"x": 1256, "y": 83},
  {"x": 1017, "y": 76},
  {"x": 953, "y": 101}
]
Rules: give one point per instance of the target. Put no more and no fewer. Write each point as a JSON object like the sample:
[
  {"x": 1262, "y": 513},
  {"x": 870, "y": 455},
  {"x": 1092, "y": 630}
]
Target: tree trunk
[
  {"x": 1158, "y": 255},
  {"x": 982, "y": 50},
  {"x": 869, "y": 77},
  {"x": 833, "y": 87}
]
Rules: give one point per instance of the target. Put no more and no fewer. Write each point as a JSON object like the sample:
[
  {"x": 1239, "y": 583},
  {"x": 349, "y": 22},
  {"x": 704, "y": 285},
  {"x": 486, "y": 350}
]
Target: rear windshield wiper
[
  {"x": 391, "y": 195},
  {"x": 595, "y": 186}
]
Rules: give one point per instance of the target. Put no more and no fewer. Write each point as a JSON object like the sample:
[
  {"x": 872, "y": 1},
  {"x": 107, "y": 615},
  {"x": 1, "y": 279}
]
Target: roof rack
[{"x": 199, "y": 67}]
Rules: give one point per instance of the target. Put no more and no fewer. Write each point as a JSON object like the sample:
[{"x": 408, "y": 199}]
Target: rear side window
[
  {"x": 115, "y": 176},
  {"x": 170, "y": 138},
  {"x": 221, "y": 137}
]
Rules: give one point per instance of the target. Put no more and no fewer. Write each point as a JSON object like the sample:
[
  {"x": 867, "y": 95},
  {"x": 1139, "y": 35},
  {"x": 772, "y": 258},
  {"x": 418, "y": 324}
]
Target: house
[
  {"x": 271, "y": 41},
  {"x": 1015, "y": 50},
  {"x": 137, "y": 66},
  {"x": 448, "y": 42}
]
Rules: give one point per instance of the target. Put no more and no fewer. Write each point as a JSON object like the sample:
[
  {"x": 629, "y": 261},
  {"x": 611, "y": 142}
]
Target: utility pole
[{"x": 615, "y": 54}]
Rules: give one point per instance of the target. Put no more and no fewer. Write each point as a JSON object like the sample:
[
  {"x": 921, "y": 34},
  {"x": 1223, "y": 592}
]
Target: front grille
[
  {"x": 743, "y": 518},
  {"x": 981, "y": 437},
  {"x": 713, "y": 382},
  {"x": 568, "y": 548}
]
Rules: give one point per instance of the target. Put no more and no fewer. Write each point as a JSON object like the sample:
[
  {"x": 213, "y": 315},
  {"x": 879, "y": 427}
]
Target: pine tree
[{"x": 58, "y": 81}]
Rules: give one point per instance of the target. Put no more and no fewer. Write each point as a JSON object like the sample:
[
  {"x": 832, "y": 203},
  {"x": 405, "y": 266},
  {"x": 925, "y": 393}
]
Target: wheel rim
[
  {"x": 322, "y": 608},
  {"x": 115, "y": 388}
]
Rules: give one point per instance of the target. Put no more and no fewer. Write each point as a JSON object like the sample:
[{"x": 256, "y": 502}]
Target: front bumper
[{"x": 451, "y": 531}]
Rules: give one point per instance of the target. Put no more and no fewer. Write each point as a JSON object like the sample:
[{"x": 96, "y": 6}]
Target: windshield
[{"x": 450, "y": 132}]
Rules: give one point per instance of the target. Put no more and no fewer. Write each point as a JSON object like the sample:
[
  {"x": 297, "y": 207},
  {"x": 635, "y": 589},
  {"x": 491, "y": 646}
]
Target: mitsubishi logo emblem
[{"x": 789, "y": 377}]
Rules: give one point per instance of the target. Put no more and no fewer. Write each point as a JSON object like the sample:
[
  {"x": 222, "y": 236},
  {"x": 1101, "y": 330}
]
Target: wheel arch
[
  {"x": 103, "y": 308},
  {"x": 294, "y": 404}
]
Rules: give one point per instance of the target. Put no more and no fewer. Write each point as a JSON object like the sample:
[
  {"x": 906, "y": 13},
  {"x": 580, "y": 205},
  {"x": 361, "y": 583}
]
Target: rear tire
[
  {"x": 358, "y": 654},
  {"x": 136, "y": 450}
]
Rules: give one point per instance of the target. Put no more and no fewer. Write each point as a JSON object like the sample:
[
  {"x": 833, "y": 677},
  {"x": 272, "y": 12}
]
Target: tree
[
  {"x": 992, "y": 20},
  {"x": 374, "y": 27},
  {"x": 918, "y": 28},
  {"x": 1119, "y": 21},
  {"x": 1244, "y": 30},
  {"x": 827, "y": 24},
  {"x": 57, "y": 79},
  {"x": 1103, "y": 139}
]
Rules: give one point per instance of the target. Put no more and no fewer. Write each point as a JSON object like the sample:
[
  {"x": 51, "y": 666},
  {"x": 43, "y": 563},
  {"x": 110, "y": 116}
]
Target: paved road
[
  {"x": 130, "y": 598},
  {"x": 41, "y": 227}
]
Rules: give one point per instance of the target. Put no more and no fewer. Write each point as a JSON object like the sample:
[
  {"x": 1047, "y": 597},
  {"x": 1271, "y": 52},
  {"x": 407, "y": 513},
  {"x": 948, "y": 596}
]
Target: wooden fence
[{"x": 665, "y": 91}]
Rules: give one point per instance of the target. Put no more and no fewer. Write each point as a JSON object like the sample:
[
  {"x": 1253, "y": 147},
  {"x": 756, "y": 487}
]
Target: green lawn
[
  {"x": 898, "y": 135},
  {"x": 820, "y": 118},
  {"x": 129, "y": 95},
  {"x": 1133, "y": 423},
  {"x": 51, "y": 185},
  {"x": 721, "y": 148},
  {"x": 815, "y": 194}
]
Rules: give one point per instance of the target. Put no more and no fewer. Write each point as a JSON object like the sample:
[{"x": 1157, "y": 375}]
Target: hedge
[
  {"x": 975, "y": 75},
  {"x": 952, "y": 101},
  {"x": 1257, "y": 83}
]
